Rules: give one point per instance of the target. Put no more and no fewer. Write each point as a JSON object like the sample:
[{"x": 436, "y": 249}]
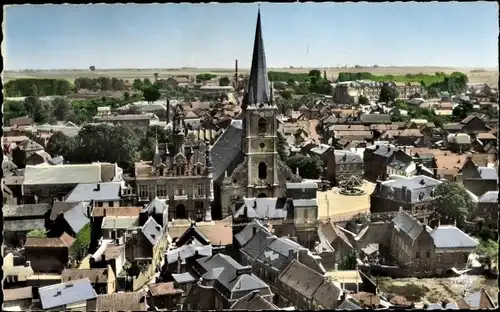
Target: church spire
[{"x": 258, "y": 85}]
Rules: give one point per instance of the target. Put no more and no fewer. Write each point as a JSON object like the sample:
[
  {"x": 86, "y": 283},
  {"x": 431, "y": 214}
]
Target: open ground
[{"x": 478, "y": 75}]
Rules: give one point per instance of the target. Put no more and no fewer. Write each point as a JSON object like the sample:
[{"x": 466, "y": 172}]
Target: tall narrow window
[
  {"x": 161, "y": 191},
  {"x": 143, "y": 191},
  {"x": 262, "y": 125},
  {"x": 201, "y": 189},
  {"x": 262, "y": 171}
]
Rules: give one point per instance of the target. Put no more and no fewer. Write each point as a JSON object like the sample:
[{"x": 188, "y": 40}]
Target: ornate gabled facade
[
  {"x": 256, "y": 170},
  {"x": 180, "y": 172}
]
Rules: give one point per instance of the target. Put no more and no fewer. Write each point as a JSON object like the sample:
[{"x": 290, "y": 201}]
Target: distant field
[{"x": 489, "y": 75}]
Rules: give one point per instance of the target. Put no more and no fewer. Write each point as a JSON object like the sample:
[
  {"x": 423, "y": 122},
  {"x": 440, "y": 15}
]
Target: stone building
[
  {"x": 180, "y": 173},
  {"x": 245, "y": 157}
]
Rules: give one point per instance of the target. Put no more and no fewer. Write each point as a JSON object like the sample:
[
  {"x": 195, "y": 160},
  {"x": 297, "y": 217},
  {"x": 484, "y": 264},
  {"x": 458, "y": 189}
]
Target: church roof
[{"x": 258, "y": 84}]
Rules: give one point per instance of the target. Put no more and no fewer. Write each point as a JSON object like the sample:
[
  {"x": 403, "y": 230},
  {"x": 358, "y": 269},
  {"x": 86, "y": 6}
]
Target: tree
[
  {"x": 363, "y": 100},
  {"x": 126, "y": 96},
  {"x": 302, "y": 88},
  {"x": 61, "y": 108},
  {"x": 286, "y": 94},
  {"x": 137, "y": 84},
  {"x": 13, "y": 109},
  {"x": 315, "y": 73},
  {"x": 291, "y": 82},
  {"x": 39, "y": 111},
  {"x": 324, "y": 75},
  {"x": 147, "y": 82},
  {"x": 349, "y": 262},
  {"x": 309, "y": 167},
  {"x": 453, "y": 203},
  {"x": 204, "y": 77},
  {"x": 224, "y": 81},
  {"x": 37, "y": 233},
  {"x": 279, "y": 85},
  {"x": 488, "y": 252},
  {"x": 281, "y": 145},
  {"x": 80, "y": 247},
  {"x": 92, "y": 68},
  {"x": 60, "y": 145},
  {"x": 151, "y": 93},
  {"x": 387, "y": 94}
]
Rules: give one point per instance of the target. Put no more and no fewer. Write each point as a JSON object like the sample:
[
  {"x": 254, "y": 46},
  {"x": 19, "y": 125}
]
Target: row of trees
[
  {"x": 37, "y": 87},
  {"x": 106, "y": 143},
  {"x": 100, "y": 84}
]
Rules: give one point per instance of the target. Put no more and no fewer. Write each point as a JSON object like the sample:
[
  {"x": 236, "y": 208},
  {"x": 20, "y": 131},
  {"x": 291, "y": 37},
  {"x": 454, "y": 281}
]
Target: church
[{"x": 245, "y": 160}]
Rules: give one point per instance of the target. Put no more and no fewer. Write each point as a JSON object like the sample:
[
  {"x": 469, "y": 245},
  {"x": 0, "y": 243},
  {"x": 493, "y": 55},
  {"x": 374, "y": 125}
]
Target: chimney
[
  {"x": 254, "y": 230},
  {"x": 435, "y": 173},
  {"x": 244, "y": 270},
  {"x": 168, "y": 110},
  {"x": 179, "y": 263}
]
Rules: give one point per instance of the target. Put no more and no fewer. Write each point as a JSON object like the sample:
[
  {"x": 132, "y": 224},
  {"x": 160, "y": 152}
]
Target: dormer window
[{"x": 421, "y": 196}]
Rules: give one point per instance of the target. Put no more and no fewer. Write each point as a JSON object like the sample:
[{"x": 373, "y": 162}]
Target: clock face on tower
[{"x": 262, "y": 114}]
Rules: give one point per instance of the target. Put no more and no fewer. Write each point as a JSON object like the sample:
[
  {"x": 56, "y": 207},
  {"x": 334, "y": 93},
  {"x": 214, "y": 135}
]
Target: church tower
[{"x": 260, "y": 126}]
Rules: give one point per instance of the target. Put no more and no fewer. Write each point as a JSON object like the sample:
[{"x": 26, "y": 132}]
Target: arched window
[
  {"x": 262, "y": 125},
  {"x": 262, "y": 195},
  {"x": 262, "y": 171}
]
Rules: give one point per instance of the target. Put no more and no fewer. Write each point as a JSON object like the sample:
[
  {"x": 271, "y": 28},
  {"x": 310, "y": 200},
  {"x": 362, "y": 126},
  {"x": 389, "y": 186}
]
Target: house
[
  {"x": 377, "y": 157},
  {"x": 165, "y": 296},
  {"x": 56, "y": 181},
  {"x": 253, "y": 302},
  {"x": 402, "y": 137},
  {"x": 224, "y": 281},
  {"x": 21, "y": 219},
  {"x": 369, "y": 119},
  {"x": 340, "y": 239},
  {"x": 470, "y": 125},
  {"x": 17, "y": 299},
  {"x": 478, "y": 179},
  {"x": 107, "y": 255},
  {"x": 20, "y": 121},
  {"x": 103, "y": 280},
  {"x": 487, "y": 208},
  {"x": 73, "y": 220},
  {"x": 424, "y": 251},
  {"x": 458, "y": 142},
  {"x": 346, "y": 165},
  {"x": 299, "y": 285},
  {"x": 158, "y": 209},
  {"x": 374, "y": 237},
  {"x": 301, "y": 190},
  {"x": 132, "y": 120},
  {"x": 410, "y": 169},
  {"x": 28, "y": 152},
  {"x": 15, "y": 276},
  {"x": 48, "y": 255},
  {"x": 124, "y": 301},
  {"x": 146, "y": 248},
  {"x": 105, "y": 194},
  {"x": 326, "y": 154},
  {"x": 476, "y": 300},
  {"x": 412, "y": 194},
  {"x": 72, "y": 296},
  {"x": 219, "y": 234}
]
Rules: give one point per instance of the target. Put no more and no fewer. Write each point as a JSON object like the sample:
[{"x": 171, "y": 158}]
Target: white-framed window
[
  {"x": 161, "y": 191},
  {"x": 201, "y": 189},
  {"x": 180, "y": 190},
  {"x": 143, "y": 191}
]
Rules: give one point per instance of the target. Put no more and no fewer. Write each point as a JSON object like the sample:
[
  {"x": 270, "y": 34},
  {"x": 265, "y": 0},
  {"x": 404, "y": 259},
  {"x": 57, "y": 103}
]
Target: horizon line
[{"x": 246, "y": 69}]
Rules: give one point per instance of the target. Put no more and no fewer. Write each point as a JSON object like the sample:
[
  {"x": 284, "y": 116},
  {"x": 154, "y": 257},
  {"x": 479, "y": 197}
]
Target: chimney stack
[
  {"x": 254, "y": 230},
  {"x": 168, "y": 110}
]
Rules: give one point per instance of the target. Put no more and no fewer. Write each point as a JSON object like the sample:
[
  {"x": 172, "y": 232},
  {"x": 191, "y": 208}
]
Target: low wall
[{"x": 384, "y": 270}]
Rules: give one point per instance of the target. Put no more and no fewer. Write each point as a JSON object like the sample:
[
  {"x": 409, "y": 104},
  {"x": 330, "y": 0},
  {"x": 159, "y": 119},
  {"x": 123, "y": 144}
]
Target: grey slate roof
[
  {"x": 63, "y": 294},
  {"x": 449, "y": 236},
  {"x": 226, "y": 148},
  {"x": 245, "y": 235},
  {"x": 253, "y": 302},
  {"x": 418, "y": 188},
  {"x": 375, "y": 118},
  {"x": 77, "y": 217},
  {"x": 488, "y": 173},
  {"x": 27, "y": 210},
  {"x": 109, "y": 223},
  {"x": 59, "y": 207},
  {"x": 342, "y": 156},
  {"x": 407, "y": 224},
  {"x": 272, "y": 208},
  {"x": 258, "y": 85},
  {"x": 321, "y": 149},
  {"x": 278, "y": 251},
  {"x": 156, "y": 206},
  {"x": 228, "y": 281},
  {"x": 152, "y": 230},
  {"x": 188, "y": 251},
  {"x": 437, "y": 306},
  {"x": 58, "y": 160},
  {"x": 348, "y": 304},
  {"x": 108, "y": 191},
  {"x": 62, "y": 174},
  {"x": 258, "y": 243},
  {"x": 490, "y": 197},
  {"x": 183, "y": 277}
]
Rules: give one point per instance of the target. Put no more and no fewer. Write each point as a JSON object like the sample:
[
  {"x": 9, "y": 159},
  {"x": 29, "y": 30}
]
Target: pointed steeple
[{"x": 258, "y": 84}]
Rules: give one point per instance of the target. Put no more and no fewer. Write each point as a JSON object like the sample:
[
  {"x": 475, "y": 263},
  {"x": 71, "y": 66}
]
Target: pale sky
[{"x": 455, "y": 34}]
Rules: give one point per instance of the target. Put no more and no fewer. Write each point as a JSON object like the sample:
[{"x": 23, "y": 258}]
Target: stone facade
[{"x": 181, "y": 173}]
